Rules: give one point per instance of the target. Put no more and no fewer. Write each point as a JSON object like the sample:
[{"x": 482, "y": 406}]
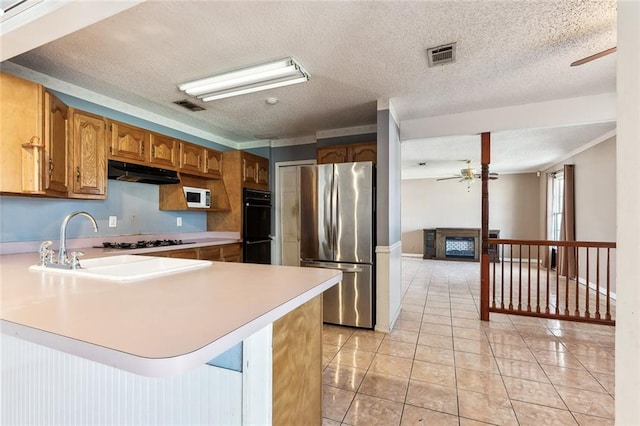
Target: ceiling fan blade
[
  {"x": 594, "y": 57},
  {"x": 449, "y": 178}
]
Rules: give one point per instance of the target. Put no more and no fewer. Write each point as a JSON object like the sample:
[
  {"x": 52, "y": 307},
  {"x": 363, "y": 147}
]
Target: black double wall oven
[{"x": 256, "y": 226}]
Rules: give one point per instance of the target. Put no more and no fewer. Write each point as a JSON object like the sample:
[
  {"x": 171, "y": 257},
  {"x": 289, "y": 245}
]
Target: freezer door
[
  {"x": 353, "y": 184},
  {"x": 316, "y": 212},
  {"x": 350, "y": 302}
]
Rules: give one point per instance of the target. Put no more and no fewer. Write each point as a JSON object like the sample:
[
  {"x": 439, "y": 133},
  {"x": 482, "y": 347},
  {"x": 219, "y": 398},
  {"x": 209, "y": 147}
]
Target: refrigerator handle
[
  {"x": 345, "y": 269},
  {"x": 335, "y": 210}
]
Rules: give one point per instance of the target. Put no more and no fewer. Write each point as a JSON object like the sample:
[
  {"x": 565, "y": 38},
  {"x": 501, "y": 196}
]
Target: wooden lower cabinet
[
  {"x": 185, "y": 253},
  {"x": 297, "y": 366},
  {"x": 222, "y": 252}
]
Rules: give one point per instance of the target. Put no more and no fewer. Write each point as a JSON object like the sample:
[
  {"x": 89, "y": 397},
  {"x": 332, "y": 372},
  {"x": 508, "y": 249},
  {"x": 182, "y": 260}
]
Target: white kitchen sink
[{"x": 128, "y": 267}]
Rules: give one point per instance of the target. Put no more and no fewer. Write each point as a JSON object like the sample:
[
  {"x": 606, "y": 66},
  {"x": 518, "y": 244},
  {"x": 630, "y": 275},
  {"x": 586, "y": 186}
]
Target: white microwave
[{"x": 199, "y": 198}]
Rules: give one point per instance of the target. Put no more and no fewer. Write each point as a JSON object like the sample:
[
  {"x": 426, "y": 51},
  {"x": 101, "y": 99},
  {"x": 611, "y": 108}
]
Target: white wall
[
  {"x": 595, "y": 190},
  {"x": 426, "y": 203},
  {"x": 628, "y": 212}
]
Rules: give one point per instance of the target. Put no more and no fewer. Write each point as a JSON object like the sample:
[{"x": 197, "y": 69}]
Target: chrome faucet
[{"x": 62, "y": 253}]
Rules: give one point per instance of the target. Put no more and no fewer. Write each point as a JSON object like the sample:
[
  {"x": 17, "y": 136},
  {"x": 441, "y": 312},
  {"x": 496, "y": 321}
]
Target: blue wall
[{"x": 135, "y": 205}]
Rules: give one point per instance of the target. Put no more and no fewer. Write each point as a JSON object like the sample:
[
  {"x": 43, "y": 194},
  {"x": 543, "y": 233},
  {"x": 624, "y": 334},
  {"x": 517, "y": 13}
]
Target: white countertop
[{"x": 157, "y": 327}]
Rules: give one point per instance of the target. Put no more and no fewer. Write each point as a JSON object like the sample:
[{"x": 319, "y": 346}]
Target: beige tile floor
[{"x": 441, "y": 365}]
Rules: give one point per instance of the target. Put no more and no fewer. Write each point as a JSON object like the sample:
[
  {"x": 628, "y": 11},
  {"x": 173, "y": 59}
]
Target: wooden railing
[{"x": 522, "y": 281}]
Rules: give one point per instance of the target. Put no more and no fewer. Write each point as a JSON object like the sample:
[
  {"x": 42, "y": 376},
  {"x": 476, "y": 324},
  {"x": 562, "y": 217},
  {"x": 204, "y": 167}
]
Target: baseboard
[{"x": 601, "y": 290}]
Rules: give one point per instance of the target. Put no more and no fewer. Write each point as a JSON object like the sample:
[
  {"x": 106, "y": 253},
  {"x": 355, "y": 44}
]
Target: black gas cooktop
[{"x": 142, "y": 244}]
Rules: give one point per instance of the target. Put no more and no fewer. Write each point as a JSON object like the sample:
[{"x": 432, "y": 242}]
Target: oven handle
[{"x": 257, "y": 242}]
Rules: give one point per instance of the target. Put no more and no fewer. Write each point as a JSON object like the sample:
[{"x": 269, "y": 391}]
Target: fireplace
[
  {"x": 460, "y": 247},
  {"x": 456, "y": 244}
]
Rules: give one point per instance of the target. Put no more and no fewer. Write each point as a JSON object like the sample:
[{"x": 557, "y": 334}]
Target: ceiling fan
[
  {"x": 469, "y": 175},
  {"x": 593, "y": 57}
]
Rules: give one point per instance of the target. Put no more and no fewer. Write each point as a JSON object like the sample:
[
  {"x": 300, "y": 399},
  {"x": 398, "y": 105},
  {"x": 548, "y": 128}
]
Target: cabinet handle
[
  {"x": 244, "y": 170},
  {"x": 206, "y": 164},
  {"x": 78, "y": 174},
  {"x": 142, "y": 148},
  {"x": 50, "y": 166},
  {"x": 111, "y": 150},
  {"x": 153, "y": 150}
]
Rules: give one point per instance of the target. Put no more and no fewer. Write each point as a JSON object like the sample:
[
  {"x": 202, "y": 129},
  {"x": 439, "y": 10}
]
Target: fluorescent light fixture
[{"x": 283, "y": 72}]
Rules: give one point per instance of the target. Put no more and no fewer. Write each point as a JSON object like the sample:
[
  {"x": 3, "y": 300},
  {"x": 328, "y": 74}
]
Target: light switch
[
  {"x": 178, "y": 221},
  {"x": 113, "y": 221}
]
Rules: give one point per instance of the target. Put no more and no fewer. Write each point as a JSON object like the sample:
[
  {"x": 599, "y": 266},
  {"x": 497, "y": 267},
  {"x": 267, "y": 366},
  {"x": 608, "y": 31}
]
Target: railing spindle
[
  {"x": 520, "y": 277},
  {"x": 538, "y": 280},
  {"x": 502, "y": 280},
  {"x": 566, "y": 281},
  {"x": 529, "y": 279},
  {"x": 510, "y": 276},
  {"x": 597, "y": 283},
  {"x": 608, "y": 313},
  {"x": 558, "y": 281},
  {"x": 493, "y": 296},
  {"x": 587, "y": 314},
  {"x": 548, "y": 256},
  {"x": 576, "y": 253}
]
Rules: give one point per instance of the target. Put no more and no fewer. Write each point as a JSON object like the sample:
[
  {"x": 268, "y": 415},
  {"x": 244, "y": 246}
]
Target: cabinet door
[
  {"x": 262, "y": 172},
  {"x": 363, "y": 152},
  {"x": 185, "y": 253},
  {"x": 56, "y": 116},
  {"x": 210, "y": 253},
  {"x": 249, "y": 168},
  {"x": 332, "y": 154},
  {"x": 191, "y": 158},
  {"x": 213, "y": 163},
  {"x": 231, "y": 252},
  {"x": 89, "y": 162},
  {"x": 21, "y": 112},
  {"x": 128, "y": 143},
  {"x": 164, "y": 151}
]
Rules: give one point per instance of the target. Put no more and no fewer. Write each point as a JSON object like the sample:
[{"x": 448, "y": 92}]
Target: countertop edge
[{"x": 161, "y": 367}]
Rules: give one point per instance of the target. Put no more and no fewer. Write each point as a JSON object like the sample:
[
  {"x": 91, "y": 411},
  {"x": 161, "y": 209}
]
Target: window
[{"x": 557, "y": 204}]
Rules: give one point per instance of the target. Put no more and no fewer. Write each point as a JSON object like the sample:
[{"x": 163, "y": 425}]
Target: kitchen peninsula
[{"x": 83, "y": 337}]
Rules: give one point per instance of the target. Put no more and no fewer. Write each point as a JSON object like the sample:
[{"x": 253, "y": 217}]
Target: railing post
[{"x": 484, "y": 259}]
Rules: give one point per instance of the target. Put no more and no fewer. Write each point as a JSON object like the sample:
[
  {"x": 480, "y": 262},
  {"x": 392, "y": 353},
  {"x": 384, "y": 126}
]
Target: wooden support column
[{"x": 484, "y": 258}]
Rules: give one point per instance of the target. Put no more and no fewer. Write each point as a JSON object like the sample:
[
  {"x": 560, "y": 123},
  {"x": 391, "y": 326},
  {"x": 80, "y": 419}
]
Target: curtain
[
  {"x": 545, "y": 252},
  {"x": 567, "y": 255}
]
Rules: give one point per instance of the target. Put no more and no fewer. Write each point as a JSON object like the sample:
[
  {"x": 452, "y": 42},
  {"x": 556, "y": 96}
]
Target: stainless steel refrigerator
[{"x": 337, "y": 231}]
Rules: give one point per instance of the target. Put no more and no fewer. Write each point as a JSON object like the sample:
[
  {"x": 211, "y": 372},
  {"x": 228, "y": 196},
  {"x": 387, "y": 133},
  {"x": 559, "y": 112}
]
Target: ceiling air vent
[
  {"x": 189, "y": 105},
  {"x": 441, "y": 55}
]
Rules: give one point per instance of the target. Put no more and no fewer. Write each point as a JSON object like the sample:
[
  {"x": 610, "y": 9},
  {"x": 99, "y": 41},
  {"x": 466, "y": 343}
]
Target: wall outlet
[
  {"x": 178, "y": 221},
  {"x": 113, "y": 221}
]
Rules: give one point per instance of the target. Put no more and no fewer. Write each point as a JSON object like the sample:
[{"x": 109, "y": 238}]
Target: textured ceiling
[{"x": 508, "y": 53}]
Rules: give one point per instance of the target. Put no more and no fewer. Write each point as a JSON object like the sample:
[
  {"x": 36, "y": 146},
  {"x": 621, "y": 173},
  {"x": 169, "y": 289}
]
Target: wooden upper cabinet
[
  {"x": 88, "y": 168},
  {"x": 164, "y": 151},
  {"x": 56, "y": 118},
  {"x": 191, "y": 158},
  {"x": 332, "y": 154},
  {"x": 21, "y": 135},
  {"x": 249, "y": 170},
  {"x": 347, "y": 153},
  {"x": 212, "y": 163},
  {"x": 255, "y": 170},
  {"x": 262, "y": 171},
  {"x": 364, "y": 152},
  {"x": 128, "y": 143}
]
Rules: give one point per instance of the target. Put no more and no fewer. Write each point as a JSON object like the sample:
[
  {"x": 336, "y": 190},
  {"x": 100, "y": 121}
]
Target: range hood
[{"x": 128, "y": 172}]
